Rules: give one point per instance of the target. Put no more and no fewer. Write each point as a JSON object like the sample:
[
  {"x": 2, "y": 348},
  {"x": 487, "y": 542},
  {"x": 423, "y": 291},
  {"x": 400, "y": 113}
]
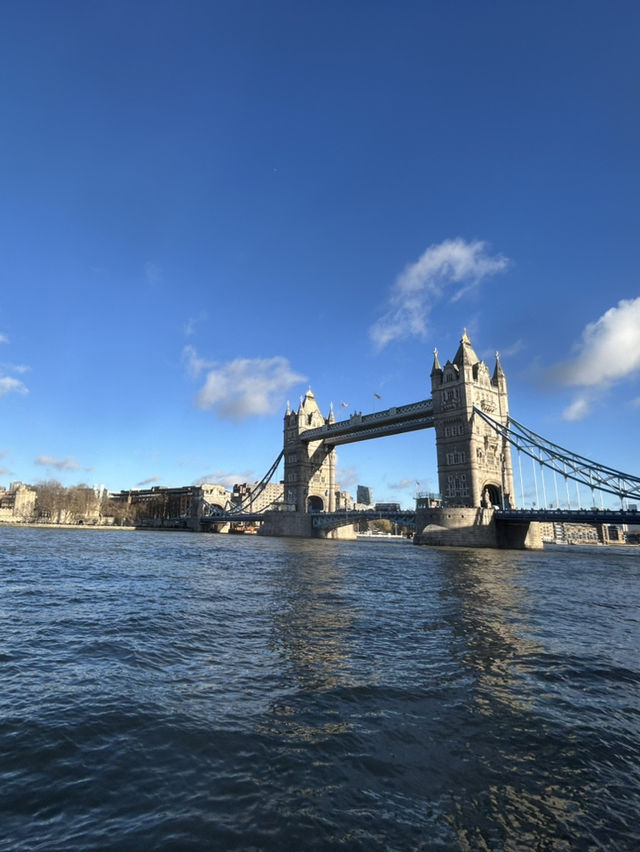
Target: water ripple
[{"x": 171, "y": 691}]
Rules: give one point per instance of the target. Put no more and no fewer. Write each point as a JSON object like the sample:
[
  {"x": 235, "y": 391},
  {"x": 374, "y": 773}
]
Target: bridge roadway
[
  {"x": 570, "y": 516},
  {"x": 362, "y": 427},
  {"x": 329, "y": 520},
  {"x": 320, "y": 520}
]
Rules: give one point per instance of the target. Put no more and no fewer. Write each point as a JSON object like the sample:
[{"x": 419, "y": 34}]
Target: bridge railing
[{"x": 357, "y": 419}]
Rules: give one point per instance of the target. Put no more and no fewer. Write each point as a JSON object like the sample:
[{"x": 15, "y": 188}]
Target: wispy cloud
[
  {"x": 191, "y": 324},
  {"x": 58, "y": 464},
  {"x": 608, "y": 352},
  {"x": 244, "y": 387},
  {"x": 152, "y": 272},
  {"x": 505, "y": 351},
  {"x": 225, "y": 478},
  {"x": 8, "y": 382},
  {"x": 10, "y": 385},
  {"x": 148, "y": 481},
  {"x": 14, "y": 368},
  {"x": 194, "y": 363},
  {"x": 404, "y": 485},
  {"x": 579, "y": 407},
  {"x": 453, "y": 266},
  {"x": 347, "y": 477}
]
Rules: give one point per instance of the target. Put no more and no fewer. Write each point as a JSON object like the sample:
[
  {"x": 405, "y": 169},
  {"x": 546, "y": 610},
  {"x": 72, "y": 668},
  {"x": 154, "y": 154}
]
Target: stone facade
[
  {"x": 246, "y": 494},
  {"x": 475, "y": 471},
  {"x": 309, "y": 467},
  {"x": 474, "y": 462},
  {"x": 17, "y": 503},
  {"x": 474, "y": 527}
]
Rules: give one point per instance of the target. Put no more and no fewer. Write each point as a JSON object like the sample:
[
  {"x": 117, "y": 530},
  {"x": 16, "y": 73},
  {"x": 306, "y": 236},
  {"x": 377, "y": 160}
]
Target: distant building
[
  {"x": 17, "y": 503},
  {"x": 364, "y": 495},
  {"x": 344, "y": 502},
  {"x": 387, "y": 507},
  {"x": 428, "y": 500},
  {"x": 173, "y": 507},
  {"x": 245, "y": 494}
]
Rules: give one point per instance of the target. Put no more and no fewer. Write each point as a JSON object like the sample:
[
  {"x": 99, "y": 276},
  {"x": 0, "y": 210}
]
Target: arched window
[{"x": 315, "y": 504}]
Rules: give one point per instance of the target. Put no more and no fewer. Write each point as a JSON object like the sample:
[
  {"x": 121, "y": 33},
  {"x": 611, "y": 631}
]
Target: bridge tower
[
  {"x": 474, "y": 463},
  {"x": 309, "y": 466}
]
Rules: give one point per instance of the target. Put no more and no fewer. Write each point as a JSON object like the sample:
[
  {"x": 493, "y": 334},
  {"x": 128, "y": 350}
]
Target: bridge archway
[
  {"x": 492, "y": 495},
  {"x": 315, "y": 504}
]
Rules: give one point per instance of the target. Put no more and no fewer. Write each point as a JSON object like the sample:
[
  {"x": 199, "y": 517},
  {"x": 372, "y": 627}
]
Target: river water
[{"x": 178, "y": 691}]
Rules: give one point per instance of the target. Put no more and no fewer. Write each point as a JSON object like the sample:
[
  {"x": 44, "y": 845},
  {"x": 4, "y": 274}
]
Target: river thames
[{"x": 183, "y": 692}]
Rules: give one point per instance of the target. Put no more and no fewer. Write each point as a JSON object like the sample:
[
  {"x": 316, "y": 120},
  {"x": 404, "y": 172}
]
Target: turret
[
  {"x": 436, "y": 370},
  {"x": 499, "y": 379}
]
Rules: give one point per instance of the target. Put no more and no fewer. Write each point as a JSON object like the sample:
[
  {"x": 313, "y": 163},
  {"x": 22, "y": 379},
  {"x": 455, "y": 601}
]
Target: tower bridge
[{"x": 469, "y": 412}]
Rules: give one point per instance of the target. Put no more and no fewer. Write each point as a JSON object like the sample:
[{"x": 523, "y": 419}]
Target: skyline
[{"x": 206, "y": 211}]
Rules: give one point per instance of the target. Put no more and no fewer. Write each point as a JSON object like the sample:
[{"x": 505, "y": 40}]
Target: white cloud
[
  {"x": 228, "y": 480},
  {"x": 608, "y": 352},
  {"x": 3, "y": 338},
  {"x": 609, "y": 349},
  {"x": 195, "y": 364},
  {"x": 636, "y": 402},
  {"x": 453, "y": 265},
  {"x": 244, "y": 387},
  {"x": 579, "y": 408},
  {"x": 58, "y": 464},
  {"x": 11, "y": 385}
]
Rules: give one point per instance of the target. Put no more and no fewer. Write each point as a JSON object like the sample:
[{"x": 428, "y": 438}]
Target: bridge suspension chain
[
  {"x": 570, "y": 465},
  {"x": 257, "y": 491}
]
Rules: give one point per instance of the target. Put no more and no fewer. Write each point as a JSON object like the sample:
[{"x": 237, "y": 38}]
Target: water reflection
[
  {"x": 311, "y": 617},
  {"x": 495, "y": 627},
  {"x": 492, "y": 623}
]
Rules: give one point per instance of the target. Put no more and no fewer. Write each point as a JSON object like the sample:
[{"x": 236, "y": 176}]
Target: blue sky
[{"x": 207, "y": 207}]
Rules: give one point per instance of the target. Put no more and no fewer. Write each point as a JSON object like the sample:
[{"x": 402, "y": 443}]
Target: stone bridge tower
[
  {"x": 474, "y": 462},
  {"x": 309, "y": 466}
]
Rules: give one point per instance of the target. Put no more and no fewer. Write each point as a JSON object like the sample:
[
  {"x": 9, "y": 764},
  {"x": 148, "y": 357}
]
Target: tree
[
  {"x": 50, "y": 500},
  {"x": 382, "y": 525}
]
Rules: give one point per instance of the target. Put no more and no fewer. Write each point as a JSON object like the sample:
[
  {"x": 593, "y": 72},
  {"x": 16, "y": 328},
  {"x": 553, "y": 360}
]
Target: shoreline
[{"x": 40, "y": 526}]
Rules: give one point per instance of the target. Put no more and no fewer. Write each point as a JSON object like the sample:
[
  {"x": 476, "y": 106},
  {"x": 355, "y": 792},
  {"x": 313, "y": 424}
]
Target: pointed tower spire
[
  {"x": 436, "y": 363},
  {"x": 332, "y": 417},
  {"x": 465, "y": 356},
  {"x": 498, "y": 373}
]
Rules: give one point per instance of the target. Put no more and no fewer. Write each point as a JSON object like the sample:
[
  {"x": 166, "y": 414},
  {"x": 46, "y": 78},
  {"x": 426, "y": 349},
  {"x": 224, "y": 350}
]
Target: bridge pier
[
  {"x": 300, "y": 525},
  {"x": 473, "y": 527}
]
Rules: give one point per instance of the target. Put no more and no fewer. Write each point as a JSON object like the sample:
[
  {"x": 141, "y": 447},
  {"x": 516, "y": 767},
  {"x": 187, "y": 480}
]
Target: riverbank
[{"x": 41, "y": 526}]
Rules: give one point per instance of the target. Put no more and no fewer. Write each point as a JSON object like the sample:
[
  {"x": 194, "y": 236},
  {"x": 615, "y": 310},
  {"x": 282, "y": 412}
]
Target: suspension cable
[{"x": 569, "y": 464}]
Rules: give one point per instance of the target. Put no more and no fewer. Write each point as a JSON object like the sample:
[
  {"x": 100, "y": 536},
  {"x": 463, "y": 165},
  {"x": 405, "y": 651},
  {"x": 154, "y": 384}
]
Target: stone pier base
[
  {"x": 461, "y": 527},
  {"x": 300, "y": 525}
]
